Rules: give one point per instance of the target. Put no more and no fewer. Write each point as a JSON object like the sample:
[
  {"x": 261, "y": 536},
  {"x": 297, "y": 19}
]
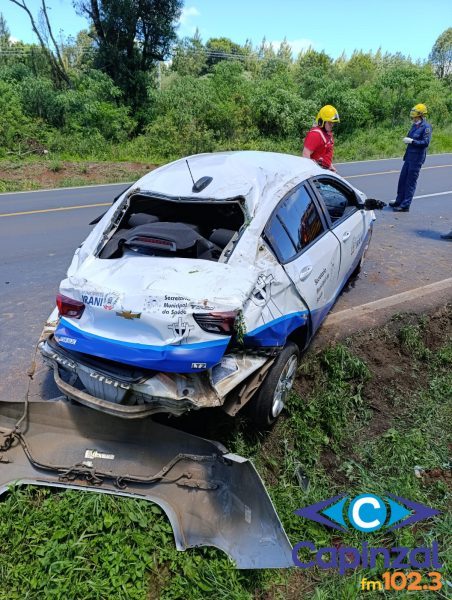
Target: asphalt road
[{"x": 39, "y": 232}]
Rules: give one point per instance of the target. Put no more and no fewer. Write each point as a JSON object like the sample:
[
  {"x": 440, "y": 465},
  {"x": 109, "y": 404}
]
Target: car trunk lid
[{"x": 142, "y": 310}]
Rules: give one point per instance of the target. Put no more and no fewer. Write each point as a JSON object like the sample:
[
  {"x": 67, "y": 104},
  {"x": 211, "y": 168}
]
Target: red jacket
[{"x": 321, "y": 144}]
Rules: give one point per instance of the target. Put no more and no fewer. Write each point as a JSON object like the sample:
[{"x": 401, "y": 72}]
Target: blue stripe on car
[
  {"x": 274, "y": 333},
  {"x": 169, "y": 358}
]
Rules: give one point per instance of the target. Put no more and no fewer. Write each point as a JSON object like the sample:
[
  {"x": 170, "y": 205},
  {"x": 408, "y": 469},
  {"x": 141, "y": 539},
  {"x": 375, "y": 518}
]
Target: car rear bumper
[
  {"x": 170, "y": 358},
  {"x": 211, "y": 497},
  {"x": 134, "y": 394}
]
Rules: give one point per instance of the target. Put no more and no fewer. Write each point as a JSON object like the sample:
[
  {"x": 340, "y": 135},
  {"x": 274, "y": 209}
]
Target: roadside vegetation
[
  {"x": 371, "y": 414},
  {"x": 210, "y": 96}
]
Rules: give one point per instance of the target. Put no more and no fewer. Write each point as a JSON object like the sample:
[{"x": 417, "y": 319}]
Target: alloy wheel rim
[{"x": 284, "y": 385}]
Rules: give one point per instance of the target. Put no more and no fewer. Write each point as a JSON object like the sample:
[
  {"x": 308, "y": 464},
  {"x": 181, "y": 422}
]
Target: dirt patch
[
  {"x": 439, "y": 328},
  {"x": 299, "y": 585},
  {"x": 430, "y": 476},
  {"x": 46, "y": 174},
  {"x": 394, "y": 371}
]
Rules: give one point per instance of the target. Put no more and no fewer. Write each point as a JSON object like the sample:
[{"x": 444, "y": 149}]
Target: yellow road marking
[
  {"x": 393, "y": 171},
  {"x": 47, "y": 210}
]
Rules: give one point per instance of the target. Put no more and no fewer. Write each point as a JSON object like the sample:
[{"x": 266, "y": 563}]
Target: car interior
[{"x": 175, "y": 227}]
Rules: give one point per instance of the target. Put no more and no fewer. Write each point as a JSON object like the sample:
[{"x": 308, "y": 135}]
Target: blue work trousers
[{"x": 407, "y": 183}]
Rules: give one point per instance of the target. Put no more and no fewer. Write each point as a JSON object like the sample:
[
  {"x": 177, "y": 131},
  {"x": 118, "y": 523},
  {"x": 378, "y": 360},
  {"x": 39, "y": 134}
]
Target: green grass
[
  {"x": 379, "y": 142},
  {"x": 77, "y": 545}
]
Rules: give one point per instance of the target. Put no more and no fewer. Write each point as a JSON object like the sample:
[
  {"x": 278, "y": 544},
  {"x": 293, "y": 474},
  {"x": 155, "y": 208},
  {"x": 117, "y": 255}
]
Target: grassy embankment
[
  {"x": 363, "y": 415},
  {"x": 83, "y": 164}
]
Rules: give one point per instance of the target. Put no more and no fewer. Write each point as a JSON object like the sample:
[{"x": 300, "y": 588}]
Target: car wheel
[
  {"x": 357, "y": 269},
  {"x": 359, "y": 266},
  {"x": 266, "y": 405}
]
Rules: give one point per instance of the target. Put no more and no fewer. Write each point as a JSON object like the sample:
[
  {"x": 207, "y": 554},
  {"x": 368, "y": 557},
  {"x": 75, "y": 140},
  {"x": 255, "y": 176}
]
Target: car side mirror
[{"x": 373, "y": 204}]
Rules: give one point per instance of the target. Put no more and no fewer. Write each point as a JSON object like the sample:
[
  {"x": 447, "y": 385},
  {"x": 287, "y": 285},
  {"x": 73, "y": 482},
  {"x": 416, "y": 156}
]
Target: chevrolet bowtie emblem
[{"x": 128, "y": 314}]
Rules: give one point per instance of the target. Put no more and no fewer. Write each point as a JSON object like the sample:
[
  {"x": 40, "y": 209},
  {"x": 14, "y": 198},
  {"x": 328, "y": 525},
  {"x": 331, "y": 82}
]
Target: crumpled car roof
[{"x": 254, "y": 175}]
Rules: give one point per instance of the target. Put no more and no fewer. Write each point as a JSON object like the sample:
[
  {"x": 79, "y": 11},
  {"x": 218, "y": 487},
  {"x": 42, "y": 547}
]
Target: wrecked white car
[
  {"x": 199, "y": 287},
  {"x": 203, "y": 283}
]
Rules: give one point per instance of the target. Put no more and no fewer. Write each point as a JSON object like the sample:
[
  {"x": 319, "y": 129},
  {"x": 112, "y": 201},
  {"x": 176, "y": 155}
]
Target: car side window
[
  {"x": 338, "y": 200},
  {"x": 295, "y": 224},
  {"x": 280, "y": 240}
]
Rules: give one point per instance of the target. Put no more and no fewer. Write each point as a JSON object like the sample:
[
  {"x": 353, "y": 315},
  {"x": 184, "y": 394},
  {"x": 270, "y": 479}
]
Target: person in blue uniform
[{"x": 417, "y": 142}]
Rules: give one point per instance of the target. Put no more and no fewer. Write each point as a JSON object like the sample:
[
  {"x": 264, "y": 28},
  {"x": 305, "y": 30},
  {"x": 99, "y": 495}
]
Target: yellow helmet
[
  {"x": 327, "y": 113},
  {"x": 420, "y": 110}
]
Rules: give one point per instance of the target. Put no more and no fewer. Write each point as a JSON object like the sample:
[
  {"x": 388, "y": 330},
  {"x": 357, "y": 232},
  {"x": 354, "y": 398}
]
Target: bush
[
  {"x": 280, "y": 112},
  {"x": 40, "y": 100},
  {"x": 267, "y": 101},
  {"x": 15, "y": 127}
]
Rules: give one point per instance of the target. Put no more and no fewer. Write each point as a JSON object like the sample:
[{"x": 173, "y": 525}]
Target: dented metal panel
[
  {"x": 211, "y": 498},
  {"x": 164, "y": 312},
  {"x": 174, "y": 393}
]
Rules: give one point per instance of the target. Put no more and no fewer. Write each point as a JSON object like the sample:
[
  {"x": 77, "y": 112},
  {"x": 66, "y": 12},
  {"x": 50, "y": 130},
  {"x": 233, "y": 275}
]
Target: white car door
[
  {"x": 348, "y": 222},
  {"x": 307, "y": 250}
]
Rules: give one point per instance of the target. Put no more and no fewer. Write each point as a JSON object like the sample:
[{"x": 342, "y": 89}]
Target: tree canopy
[
  {"x": 213, "y": 95},
  {"x": 441, "y": 54},
  {"x": 131, "y": 35}
]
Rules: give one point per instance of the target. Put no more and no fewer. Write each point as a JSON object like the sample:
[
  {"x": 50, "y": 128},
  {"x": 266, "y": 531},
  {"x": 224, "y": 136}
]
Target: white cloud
[
  {"x": 187, "y": 13},
  {"x": 186, "y": 27},
  {"x": 13, "y": 40},
  {"x": 296, "y": 45}
]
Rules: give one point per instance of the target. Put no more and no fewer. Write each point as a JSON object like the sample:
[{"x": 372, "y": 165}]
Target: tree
[
  {"x": 189, "y": 56},
  {"x": 285, "y": 52},
  {"x": 131, "y": 35},
  {"x": 4, "y": 32},
  {"x": 266, "y": 50},
  {"x": 441, "y": 54},
  {"x": 311, "y": 68},
  {"x": 79, "y": 53},
  {"x": 47, "y": 42},
  {"x": 361, "y": 68},
  {"x": 219, "y": 49}
]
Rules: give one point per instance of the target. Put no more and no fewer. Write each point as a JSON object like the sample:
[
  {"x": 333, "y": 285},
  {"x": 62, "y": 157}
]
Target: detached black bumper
[{"x": 211, "y": 497}]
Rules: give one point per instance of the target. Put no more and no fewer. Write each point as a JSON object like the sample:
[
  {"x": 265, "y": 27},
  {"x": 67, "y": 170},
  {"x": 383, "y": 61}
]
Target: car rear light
[
  {"x": 68, "y": 307},
  {"x": 156, "y": 243},
  {"x": 217, "y": 322}
]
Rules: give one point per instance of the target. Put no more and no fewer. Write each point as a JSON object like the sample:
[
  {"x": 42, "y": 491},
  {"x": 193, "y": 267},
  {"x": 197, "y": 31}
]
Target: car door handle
[
  {"x": 345, "y": 236},
  {"x": 305, "y": 272}
]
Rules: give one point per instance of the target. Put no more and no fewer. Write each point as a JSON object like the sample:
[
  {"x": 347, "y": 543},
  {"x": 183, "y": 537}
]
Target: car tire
[
  {"x": 356, "y": 270},
  {"x": 359, "y": 266},
  {"x": 266, "y": 405}
]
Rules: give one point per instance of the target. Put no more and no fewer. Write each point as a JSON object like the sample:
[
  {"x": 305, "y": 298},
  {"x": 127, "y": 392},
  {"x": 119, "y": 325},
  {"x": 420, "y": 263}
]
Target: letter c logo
[
  {"x": 297, "y": 562},
  {"x": 367, "y": 512}
]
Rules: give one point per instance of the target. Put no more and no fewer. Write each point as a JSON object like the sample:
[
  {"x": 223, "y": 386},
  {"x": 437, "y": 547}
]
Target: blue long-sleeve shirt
[{"x": 421, "y": 134}]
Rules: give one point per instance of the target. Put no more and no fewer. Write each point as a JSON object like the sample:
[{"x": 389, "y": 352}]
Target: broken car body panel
[
  {"x": 211, "y": 497},
  {"x": 268, "y": 244}
]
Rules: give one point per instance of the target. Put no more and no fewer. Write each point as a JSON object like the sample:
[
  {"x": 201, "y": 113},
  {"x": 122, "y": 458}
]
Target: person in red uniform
[{"x": 319, "y": 141}]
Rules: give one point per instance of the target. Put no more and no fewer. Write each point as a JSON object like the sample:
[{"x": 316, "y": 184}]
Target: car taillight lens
[
  {"x": 217, "y": 322},
  {"x": 68, "y": 307}
]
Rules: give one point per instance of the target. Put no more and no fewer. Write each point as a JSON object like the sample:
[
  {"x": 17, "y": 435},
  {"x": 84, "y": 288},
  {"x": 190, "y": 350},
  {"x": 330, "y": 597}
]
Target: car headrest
[
  {"x": 221, "y": 237},
  {"x": 141, "y": 219}
]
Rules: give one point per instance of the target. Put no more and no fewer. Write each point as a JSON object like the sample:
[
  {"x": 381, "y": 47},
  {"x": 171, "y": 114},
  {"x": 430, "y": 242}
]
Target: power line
[{"x": 91, "y": 49}]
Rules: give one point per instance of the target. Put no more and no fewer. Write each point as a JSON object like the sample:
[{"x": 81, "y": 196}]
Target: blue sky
[{"x": 407, "y": 26}]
